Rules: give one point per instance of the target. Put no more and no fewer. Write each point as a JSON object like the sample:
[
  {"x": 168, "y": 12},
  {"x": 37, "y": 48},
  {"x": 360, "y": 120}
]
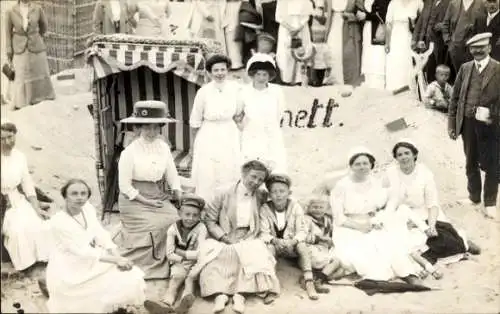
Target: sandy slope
[{"x": 57, "y": 136}]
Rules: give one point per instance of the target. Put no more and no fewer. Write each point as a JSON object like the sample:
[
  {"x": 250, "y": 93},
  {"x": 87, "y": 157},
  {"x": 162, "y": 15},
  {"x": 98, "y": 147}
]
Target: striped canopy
[{"x": 110, "y": 54}]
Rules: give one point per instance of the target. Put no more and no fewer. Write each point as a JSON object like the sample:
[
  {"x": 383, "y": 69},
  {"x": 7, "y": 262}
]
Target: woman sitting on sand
[
  {"x": 145, "y": 209},
  {"x": 412, "y": 187},
  {"x": 85, "y": 271},
  {"x": 360, "y": 245},
  {"x": 24, "y": 231}
]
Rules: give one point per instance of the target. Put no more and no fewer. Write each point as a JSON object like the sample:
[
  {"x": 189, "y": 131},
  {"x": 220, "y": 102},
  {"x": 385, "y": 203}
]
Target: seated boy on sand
[
  {"x": 283, "y": 228},
  {"x": 183, "y": 240},
  {"x": 320, "y": 226}
]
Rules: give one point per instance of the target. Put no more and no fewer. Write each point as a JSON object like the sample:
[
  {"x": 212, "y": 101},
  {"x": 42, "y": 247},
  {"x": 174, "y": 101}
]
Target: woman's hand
[
  {"x": 124, "y": 264},
  {"x": 228, "y": 240},
  {"x": 43, "y": 214}
]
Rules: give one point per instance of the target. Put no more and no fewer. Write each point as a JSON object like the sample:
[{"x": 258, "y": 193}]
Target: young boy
[
  {"x": 283, "y": 228},
  {"x": 319, "y": 238},
  {"x": 322, "y": 62},
  {"x": 183, "y": 240},
  {"x": 438, "y": 93},
  {"x": 266, "y": 44}
]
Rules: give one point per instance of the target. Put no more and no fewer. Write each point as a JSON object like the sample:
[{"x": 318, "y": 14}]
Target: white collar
[
  {"x": 483, "y": 63},
  {"x": 242, "y": 190},
  {"x": 492, "y": 15}
]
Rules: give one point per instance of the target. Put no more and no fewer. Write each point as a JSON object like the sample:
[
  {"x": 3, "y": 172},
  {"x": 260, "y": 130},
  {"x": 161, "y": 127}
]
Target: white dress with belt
[
  {"x": 216, "y": 153},
  {"x": 25, "y": 233},
  {"x": 262, "y": 137},
  {"x": 77, "y": 281}
]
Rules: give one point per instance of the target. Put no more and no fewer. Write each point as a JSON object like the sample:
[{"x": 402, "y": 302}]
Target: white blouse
[
  {"x": 14, "y": 172},
  {"x": 245, "y": 204},
  {"x": 214, "y": 102},
  {"x": 356, "y": 198},
  {"x": 146, "y": 161},
  {"x": 24, "y": 8}
]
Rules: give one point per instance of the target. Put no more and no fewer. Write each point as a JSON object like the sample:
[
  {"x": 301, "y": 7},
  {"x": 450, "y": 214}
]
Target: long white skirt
[
  {"x": 103, "y": 292},
  {"x": 373, "y": 60},
  {"x": 399, "y": 66},
  {"x": 26, "y": 235},
  {"x": 234, "y": 48},
  {"x": 372, "y": 254},
  {"x": 216, "y": 157}
]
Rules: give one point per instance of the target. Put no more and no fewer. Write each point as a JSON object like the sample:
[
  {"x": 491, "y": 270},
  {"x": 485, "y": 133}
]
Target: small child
[
  {"x": 266, "y": 44},
  {"x": 183, "y": 240},
  {"x": 322, "y": 62},
  {"x": 320, "y": 228},
  {"x": 283, "y": 228},
  {"x": 438, "y": 93}
]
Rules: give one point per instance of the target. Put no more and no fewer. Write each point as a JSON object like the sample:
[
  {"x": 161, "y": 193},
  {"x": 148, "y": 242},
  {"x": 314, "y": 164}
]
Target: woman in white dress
[
  {"x": 399, "y": 66},
  {"x": 25, "y": 233},
  {"x": 85, "y": 273},
  {"x": 360, "y": 245},
  {"x": 153, "y": 18},
  {"x": 293, "y": 17},
  {"x": 216, "y": 151},
  {"x": 412, "y": 188},
  {"x": 206, "y": 20},
  {"x": 262, "y": 104}
]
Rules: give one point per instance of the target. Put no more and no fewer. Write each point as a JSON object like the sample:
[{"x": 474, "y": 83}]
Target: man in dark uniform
[{"x": 475, "y": 114}]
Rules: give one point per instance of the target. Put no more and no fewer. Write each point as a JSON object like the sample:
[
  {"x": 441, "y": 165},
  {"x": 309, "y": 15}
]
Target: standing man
[
  {"x": 429, "y": 29},
  {"x": 474, "y": 113},
  {"x": 457, "y": 28},
  {"x": 491, "y": 23}
]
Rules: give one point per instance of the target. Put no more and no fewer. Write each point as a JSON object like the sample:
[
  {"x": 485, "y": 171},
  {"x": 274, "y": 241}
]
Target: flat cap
[
  {"x": 481, "y": 39},
  {"x": 193, "y": 200},
  {"x": 278, "y": 178}
]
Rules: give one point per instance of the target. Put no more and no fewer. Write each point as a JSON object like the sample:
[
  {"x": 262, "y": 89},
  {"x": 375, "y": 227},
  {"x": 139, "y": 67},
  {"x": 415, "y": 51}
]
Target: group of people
[{"x": 380, "y": 228}]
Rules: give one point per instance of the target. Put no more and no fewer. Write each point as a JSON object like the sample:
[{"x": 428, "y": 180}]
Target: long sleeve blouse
[
  {"x": 14, "y": 172},
  {"x": 146, "y": 161}
]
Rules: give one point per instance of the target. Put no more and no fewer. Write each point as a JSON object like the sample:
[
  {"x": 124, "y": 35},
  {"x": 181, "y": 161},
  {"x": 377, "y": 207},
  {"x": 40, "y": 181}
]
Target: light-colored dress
[
  {"x": 25, "y": 234},
  {"x": 373, "y": 56},
  {"x": 153, "y": 19},
  {"x": 142, "y": 237},
  {"x": 296, "y": 13},
  {"x": 370, "y": 254},
  {"x": 216, "y": 153},
  {"x": 77, "y": 281},
  {"x": 416, "y": 191},
  {"x": 399, "y": 67},
  {"x": 261, "y": 136},
  {"x": 200, "y": 27}
]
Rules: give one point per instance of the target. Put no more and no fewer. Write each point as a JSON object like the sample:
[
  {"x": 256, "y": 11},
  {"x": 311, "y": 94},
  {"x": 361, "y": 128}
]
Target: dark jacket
[
  {"x": 477, "y": 9},
  {"x": 490, "y": 96},
  {"x": 494, "y": 28},
  {"x": 17, "y": 39},
  {"x": 429, "y": 25}
]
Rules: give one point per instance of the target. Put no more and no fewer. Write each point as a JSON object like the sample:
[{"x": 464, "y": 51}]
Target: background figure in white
[
  {"x": 293, "y": 16},
  {"x": 206, "y": 20},
  {"x": 231, "y": 22},
  {"x": 24, "y": 230},
  {"x": 216, "y": 151},
  {"x": 85, "y": 272},
  {"x": 399, "y": 67},
  {"x": 262, "y": 105},
  {"x": 153, "y": 18},
  {"x": 335, "y": 40},
  {"x": 373, "y": 54}
]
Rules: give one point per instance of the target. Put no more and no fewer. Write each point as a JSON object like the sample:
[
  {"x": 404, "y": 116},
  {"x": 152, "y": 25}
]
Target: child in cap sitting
[
  {"x": 438, "y": 93},
  {"x": 319, "y": 238},
  {"x": 183, "y": 240},
  {"x": 283, "y": 228}
]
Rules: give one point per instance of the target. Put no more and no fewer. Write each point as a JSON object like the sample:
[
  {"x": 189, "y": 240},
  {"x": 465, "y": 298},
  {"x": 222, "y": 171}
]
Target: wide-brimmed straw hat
[
  {"x": 149, "y": 111},
  {"x": 262, "y": 61}
]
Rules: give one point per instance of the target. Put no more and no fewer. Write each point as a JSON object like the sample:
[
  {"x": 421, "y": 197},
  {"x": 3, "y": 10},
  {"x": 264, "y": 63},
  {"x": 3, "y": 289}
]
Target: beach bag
[
  {"x": 379, "y": 38},
  {"x": 8, "y": 70},
  {"x": 295, "y": 43}
]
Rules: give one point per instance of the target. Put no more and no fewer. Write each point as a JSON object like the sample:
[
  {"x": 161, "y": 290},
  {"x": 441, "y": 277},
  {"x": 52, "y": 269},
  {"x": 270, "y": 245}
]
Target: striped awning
[{"x": 110, "y": 55}]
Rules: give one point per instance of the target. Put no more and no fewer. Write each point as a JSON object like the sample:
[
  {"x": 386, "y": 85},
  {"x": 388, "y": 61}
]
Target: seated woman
[
  {"x": 412, "y": 187},
  {"x": 145, "y": 211},
  {"x": 85, "y": 272},
  {"x": 360, "y": 245},
  {"x": 24, "y": 231},
  {"x": 235, "y": 261}
]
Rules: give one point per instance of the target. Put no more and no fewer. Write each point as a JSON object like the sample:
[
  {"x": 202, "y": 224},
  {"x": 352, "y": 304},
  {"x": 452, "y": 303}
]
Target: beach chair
[{"x": 128, "y": 68}]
